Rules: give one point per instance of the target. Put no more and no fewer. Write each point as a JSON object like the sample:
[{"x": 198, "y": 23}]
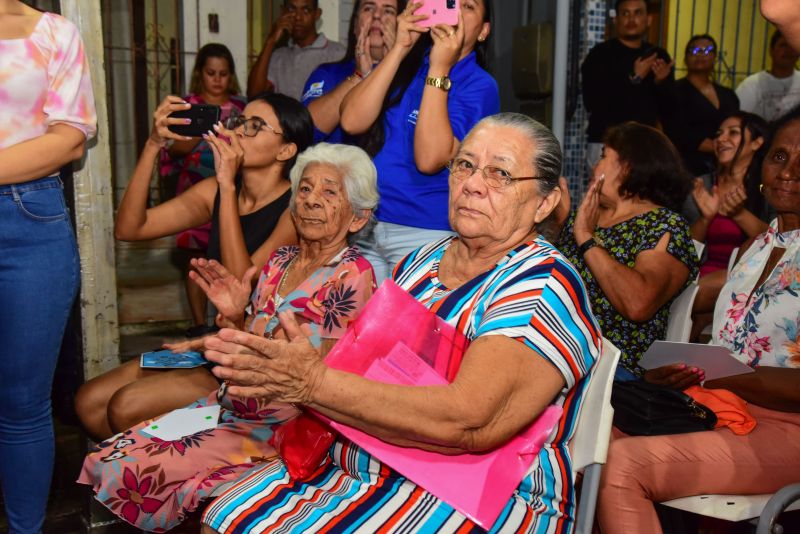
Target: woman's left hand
[
  {"x": 588, "y": 212},
  {"x": 363, "y": 52},
  {"x": 280, "y": 370},
  {"x": 447, "y": 44},
  {"x": 733, "y": 202},
  {"x": 228, "y": 155}
]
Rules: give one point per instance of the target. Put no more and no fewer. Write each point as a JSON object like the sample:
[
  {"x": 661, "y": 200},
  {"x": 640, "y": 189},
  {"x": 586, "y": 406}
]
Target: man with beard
[
  {"x": 285, "y": 70},
  {"x": 625, "y": 78}
]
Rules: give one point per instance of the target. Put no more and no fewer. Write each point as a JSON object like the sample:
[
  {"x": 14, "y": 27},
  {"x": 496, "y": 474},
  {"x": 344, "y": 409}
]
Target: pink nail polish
[{"x": 187, "y": 121}]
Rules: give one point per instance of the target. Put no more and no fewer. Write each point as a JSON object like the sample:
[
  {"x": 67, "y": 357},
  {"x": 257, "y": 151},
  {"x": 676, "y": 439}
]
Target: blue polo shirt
[
  {"x": 409, "y": 197},
  {"x": 323, "y": 80}
]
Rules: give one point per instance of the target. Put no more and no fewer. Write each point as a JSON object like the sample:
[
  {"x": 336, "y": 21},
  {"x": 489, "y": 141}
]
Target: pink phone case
[{"x": 439, "y": 12}]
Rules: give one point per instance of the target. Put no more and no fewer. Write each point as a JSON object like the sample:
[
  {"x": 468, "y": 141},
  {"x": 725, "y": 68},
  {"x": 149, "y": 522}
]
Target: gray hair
[
  {"x": 547, "y": 157},
  {"x": 358, "y": 174}
]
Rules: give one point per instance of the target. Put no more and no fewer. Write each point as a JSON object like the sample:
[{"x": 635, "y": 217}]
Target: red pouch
[{"x": 302, "y": 443}]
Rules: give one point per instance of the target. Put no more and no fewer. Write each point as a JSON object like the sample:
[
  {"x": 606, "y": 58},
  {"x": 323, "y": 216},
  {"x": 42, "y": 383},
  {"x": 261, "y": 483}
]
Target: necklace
[{"x": 277, "y": 298}]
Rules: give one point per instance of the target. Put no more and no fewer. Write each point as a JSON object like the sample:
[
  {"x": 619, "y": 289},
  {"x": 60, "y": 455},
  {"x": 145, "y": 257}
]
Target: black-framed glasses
[
  {"x": 702, "y": 50},
  {"x": 494, "y": 177},
  {"x": 251, "y": 125}
]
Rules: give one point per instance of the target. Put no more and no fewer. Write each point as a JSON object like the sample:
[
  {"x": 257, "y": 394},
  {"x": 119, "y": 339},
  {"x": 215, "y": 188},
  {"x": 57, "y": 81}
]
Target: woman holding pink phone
[{"x": 412, "y": 112}]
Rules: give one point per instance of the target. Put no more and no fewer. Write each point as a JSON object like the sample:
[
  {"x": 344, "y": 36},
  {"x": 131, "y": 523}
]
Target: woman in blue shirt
[
  {"x": 373, "y": 26},
  {"x": 415, "y": 130}
]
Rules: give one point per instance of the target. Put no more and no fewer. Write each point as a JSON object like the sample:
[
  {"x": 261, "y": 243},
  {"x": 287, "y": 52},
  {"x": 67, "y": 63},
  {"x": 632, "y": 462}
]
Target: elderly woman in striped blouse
[{"x": 533, "y": 342}]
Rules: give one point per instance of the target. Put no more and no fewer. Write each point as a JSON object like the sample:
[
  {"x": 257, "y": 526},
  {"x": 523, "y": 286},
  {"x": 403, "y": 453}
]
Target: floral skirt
[{"x": 152, "y": 484}]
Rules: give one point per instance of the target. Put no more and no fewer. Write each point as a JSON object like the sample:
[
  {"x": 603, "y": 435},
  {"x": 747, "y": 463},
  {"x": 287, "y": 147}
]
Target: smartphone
[
  {"x": 203, "y": 116},
  {"x": 439, "y": 12}
]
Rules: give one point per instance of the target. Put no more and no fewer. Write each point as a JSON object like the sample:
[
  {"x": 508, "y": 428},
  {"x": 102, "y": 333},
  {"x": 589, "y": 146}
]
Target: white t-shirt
[{"x": 768, "y": 96}]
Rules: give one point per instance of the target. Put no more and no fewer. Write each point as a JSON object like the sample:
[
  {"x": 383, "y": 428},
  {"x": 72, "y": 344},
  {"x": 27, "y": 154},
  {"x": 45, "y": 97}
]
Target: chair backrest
[
  {"x": 732, "y": 259},
  {"x": 699, "y": 247},
  {"x": 679, "y": 325},
  {"x": 589, "y": 444}
]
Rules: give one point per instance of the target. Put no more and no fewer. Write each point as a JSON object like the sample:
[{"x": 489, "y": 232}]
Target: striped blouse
[{"x": 532, "y": 295}]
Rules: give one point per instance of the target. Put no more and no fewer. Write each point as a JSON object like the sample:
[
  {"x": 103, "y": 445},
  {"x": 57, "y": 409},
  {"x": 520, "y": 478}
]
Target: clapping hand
[
  {"x": 228, "y": 294},
  {"x": 280, "y": 370},
  {"x": 642, "y": 66},
  {"x": 363, "y": 58},
  {"x": 661, "y": 69},
  {"x": 707, "y": 202},
  {"x": 733, "y": 202}
]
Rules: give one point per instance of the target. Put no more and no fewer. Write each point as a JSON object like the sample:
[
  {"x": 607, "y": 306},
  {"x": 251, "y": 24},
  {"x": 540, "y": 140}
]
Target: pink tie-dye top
[{"x": 44, "y": 79}]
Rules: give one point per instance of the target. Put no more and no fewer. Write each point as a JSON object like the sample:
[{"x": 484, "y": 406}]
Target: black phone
[{"x": 203, "y": 117}]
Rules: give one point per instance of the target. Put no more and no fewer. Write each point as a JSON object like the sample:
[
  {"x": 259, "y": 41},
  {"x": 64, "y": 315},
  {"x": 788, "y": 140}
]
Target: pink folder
[{"x": 397, "y": 340}]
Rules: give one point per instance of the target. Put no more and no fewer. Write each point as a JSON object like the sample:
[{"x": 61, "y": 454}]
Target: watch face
[{"x": 446, "y": 84}]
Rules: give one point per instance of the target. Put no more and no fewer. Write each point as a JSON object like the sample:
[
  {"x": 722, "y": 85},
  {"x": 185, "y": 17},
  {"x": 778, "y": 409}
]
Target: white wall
[{"x": 232, "y": 31}]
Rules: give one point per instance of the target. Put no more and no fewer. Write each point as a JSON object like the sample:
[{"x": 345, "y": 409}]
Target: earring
[
  {"x": 761, "y": 188},
  {"x": 481, "y": 38}
]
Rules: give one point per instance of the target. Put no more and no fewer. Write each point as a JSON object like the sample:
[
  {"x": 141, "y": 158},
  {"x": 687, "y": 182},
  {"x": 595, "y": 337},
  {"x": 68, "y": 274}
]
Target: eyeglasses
[
  {"x": 495, "y": 177},
  {"x": 702, "y": 50},
  {"x": 251, "y": 125}
]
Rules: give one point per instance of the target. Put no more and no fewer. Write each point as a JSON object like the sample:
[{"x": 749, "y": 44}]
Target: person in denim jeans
[{"x": 46, "y": 115}]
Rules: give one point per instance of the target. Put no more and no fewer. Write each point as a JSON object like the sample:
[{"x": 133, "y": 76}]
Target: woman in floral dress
[
  {"x": 757, "y": 317},
  {"x": 152, "y": 483}
]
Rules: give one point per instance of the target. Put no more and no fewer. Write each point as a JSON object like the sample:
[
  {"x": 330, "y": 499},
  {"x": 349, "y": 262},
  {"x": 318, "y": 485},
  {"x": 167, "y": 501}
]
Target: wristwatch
[
  {"x": 634, "y": 78},
  {"x": 442, "y": 82}
]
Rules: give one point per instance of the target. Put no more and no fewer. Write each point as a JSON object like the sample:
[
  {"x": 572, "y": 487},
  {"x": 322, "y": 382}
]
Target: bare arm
[
  {"x": 513, "y": 384},
  {"x": 257, "y": 81},
  {"x": 41, "y": 156},
  {"x": 638, "y": 292},
  {"x": 775, "y": 388},
  {"x": 325, "y": 109},
  {"x": 362, "y": 105},
  {"x": 434, "y": 141},
  {"x": 192, "y": 208},
  {"x": 635, "y": 292},
  {"x": 283, "y": 234}
]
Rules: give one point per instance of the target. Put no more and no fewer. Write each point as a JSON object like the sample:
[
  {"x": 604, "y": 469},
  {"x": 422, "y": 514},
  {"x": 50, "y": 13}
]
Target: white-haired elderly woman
[
  {"x": 533, "y": 340},
  {"x": 324, "y": 281}
]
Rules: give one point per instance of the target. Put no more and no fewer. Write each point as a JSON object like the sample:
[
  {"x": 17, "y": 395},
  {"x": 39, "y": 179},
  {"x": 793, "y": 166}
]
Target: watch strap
[{"x": 586, "y": 245}]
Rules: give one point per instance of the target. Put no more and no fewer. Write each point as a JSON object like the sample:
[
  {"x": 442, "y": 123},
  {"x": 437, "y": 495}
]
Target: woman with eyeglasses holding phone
[
  {"x": 699, "y": 105},
  {"x": 247, "y": 204},
  {"x": 213, "y": 82}
]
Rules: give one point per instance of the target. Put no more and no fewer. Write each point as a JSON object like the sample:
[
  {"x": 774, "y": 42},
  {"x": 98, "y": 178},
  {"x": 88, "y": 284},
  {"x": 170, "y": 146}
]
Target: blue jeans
[
  {"x": 38, "y": 281},
  {"x": 389, "y": 243}
]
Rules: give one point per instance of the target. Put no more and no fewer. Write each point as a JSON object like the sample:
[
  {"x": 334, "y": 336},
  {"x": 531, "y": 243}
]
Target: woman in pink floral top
[
  {"x": 325, "y": 282},
  {"x": 757, "y": 317},
  {"x": 46, "y": 115}
]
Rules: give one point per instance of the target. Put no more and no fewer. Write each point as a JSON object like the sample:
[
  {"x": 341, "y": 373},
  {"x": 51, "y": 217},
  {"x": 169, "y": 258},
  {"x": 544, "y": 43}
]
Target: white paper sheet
[
  {"x": 716, "y": 361},
  {"x": 184, "y": 422}
]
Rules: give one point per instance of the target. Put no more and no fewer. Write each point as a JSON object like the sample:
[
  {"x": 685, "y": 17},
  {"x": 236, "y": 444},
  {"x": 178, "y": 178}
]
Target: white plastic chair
[
  {"x": 699, "y": 247},
  {"x": 679, "y": 324},
  {"x": 589, "y": 444}
]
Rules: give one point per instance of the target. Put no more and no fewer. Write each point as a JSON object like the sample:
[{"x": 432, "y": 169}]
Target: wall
[{"x": 737, "y": 25}]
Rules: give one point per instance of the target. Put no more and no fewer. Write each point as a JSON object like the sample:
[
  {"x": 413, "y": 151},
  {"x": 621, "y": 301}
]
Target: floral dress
[
  {"x": 195, "y": 167},
  {"x": 761, "y": 326},
  {"x": 152, "y": 483},
  {"x": 624, "y": 242}
]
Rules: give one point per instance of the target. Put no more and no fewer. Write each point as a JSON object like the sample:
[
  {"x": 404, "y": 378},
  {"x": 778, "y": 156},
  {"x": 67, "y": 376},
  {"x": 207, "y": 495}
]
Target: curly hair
[{"x": 651, "y": 164}]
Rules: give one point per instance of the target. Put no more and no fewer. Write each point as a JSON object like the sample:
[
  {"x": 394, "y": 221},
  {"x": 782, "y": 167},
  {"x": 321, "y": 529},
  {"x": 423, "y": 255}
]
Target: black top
[
  {"x": 693, "y": 118},
  {"x": 256, "y": 226},
  {"x": 608, "y": 93}
]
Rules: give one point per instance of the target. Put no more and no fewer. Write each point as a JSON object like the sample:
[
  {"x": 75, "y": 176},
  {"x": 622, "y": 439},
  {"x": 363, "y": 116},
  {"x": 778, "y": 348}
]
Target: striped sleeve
[{"x": 547, "y": 309}]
